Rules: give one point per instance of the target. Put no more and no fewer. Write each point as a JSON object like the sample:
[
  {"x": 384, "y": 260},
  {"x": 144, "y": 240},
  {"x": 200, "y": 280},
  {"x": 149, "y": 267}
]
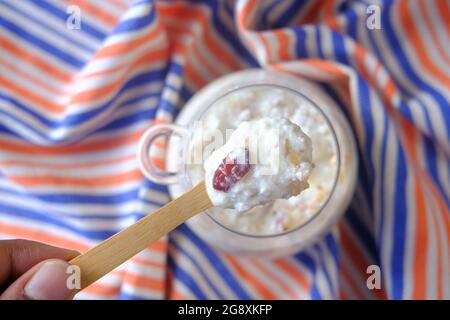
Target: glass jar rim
[{"x": 336, "y": 144}]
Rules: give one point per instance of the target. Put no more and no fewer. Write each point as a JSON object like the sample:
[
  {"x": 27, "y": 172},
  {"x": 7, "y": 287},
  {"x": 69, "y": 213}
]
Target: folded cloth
[{"x": 81, "y": 80}]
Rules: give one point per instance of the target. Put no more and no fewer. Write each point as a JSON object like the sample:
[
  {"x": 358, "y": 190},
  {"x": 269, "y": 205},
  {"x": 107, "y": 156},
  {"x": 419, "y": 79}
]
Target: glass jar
[{"x": 178, "y": 175}]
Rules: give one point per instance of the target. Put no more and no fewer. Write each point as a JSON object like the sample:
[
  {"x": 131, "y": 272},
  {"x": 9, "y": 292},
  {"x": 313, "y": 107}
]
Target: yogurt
[
  {"x": 263, "y": 160},
  {"x": 272, "y": 103}
]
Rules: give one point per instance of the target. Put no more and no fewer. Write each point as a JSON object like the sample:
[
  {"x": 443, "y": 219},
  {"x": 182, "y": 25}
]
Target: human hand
[{"x": 31, "y": 270}]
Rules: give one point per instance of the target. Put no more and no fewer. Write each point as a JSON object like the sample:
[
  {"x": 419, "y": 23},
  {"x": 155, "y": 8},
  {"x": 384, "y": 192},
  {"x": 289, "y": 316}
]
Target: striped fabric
[{"x": 73, "y": 104}]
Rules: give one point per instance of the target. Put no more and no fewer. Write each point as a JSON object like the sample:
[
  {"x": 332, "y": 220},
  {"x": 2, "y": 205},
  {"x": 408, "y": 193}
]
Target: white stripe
[
  {"x": 52, "y": 39},
  {"x": 85, "y": 17},
  {"x": 207, "y": 267},
  {"x": 388, "y": 212},
  {"x": 45, "y": 228},
  {"x": 141, "y": 292},
  {"x": 429, "y": 45},
  {"x": 50, "y": 20},
  {"x": 432, "y": 258},
  {"x": 34, "y": 71},
  {"x": 416, "y": 63},
  {"x": 36, "y": 51},
  {"x": 298, "y": 291},
  {"x": 400, "y": 76},
  {"x": 189, "y": 267}
]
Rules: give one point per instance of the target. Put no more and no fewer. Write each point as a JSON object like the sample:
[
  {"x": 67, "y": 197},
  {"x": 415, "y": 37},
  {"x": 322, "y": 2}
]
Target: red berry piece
[{"x": 233, "y": 167}]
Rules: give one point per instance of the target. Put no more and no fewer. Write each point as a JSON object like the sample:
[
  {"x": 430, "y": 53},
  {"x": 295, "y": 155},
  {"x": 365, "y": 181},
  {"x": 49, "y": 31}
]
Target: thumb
[{"x": 45, "y": 281}]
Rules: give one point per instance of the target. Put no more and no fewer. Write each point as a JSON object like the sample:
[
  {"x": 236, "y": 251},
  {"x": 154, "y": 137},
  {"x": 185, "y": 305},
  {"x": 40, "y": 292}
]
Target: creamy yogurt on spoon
[{"x": 263, "y": 160}]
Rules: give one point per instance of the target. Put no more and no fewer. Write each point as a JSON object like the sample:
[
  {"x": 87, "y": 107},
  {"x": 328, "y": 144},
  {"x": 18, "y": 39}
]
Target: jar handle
[{"x": 146, "y": 160}]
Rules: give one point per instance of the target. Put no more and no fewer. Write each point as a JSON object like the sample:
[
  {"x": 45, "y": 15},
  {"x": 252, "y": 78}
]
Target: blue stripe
[
  {"x": 198, "y": 268},
  {"x": 318, "y": 42},
  {"x": 210, "y": 255},
  {"x": 365, "y": 236},
  {"x": 291, "y": 11},
  {"x": 42, "y": 44},
  {"x": 263, "y": 22},
  {"x": 53, "y": 31},
  {"x": 367, "y": 125},
  {"x": 364, "y": 181},
  {"x": 230, "y": 35},
  {"x": 333, "y": 247},
  {"x": 45, "y": 218},
  {"x": 135, "y": 23},
  {"x": 71, "y": 120},
  {"x": 128, "y": 121},
  {"x": 400, "y": 222},
  {"x": 409, "y": 71},
  {"x": 324, "y": 269},
  {"x": 431, "y": 160},
  {"x": 63, "y": 16},
  {"x": 380, "y": 232},
  {"x": 185, "y": 278},
  {"x": 300, "y": 42},
  {"x": 339, "y": 47},
  {"x": 310, "y": 264},
  {"x": 127, "y": 296}
]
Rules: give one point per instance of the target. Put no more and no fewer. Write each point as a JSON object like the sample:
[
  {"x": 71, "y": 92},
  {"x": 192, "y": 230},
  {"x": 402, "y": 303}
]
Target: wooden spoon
[{"x": 117, "y": 249}]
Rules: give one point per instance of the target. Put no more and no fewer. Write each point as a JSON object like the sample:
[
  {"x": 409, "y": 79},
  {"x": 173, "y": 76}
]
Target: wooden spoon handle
[{"x": 117, "y": 249}]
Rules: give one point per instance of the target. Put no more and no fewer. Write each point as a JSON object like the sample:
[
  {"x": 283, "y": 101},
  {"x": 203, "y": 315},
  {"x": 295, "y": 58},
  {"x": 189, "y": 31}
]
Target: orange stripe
[
  {"x": 96, "y": 12},
  {"x": 145, "y": 282},
  {"x": 33, "y": 79},
  {"x": 175, "y": 295},
  {"x": 92, "y": 94},
  {"x": 100, "y": 289},
  {"x": 37, "y": 164},
  {"x": 326, "y": 66},
  {"x": 106, "y": 181},
  {"x": 311, "y": 14},
  {"x": 439, "y": 239},
  {"x": 294, "y": 273},
  {"x": 124, "y": 47},
  {"x": 343, "y": 295},
  {"x": 249, "y": 278},
  {"x": 421, "y": 244},
  {"x": 411, "y": 151},
  {"x": 27, "y": 57},
  {"x": 35, "y": 98},
  {"x": 330, "y": 15},
  {"x": 119, "y": 4},
  {"x": 181, "y": 31},
  {"x": 149, "y": 263},
  {"x": 421, "y": 232},
  {"x": 420, "y": 48},
  {"x": 355, "y": 255},
  {"x": 244, "y": 14},
  {"x": 64, "y": 150},
  {"x": 211, "y": 69},
  {"x": 87, "y": 95},
  {"x": 187, "y": 13},
  {"x": 444, "y": 11},
  {"x": 433, "y": 31},
  {"x": 148, "y": 57},
  {"x": 274, "y": 278},
  {"x": 160, "y": 246},
  {"x": 283, "y": 44},
  {"x": 348, "y": 280},
  {"x": 193, "y": 79},
  {"x": 15, "y": 231},
  {"x": 241, "y": 19}
]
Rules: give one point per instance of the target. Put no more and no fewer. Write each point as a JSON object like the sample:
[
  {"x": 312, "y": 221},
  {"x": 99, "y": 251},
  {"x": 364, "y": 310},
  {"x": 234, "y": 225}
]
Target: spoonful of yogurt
[
  {"x": 236, "y": 177},
  {"x": 263, "y": 160}
]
